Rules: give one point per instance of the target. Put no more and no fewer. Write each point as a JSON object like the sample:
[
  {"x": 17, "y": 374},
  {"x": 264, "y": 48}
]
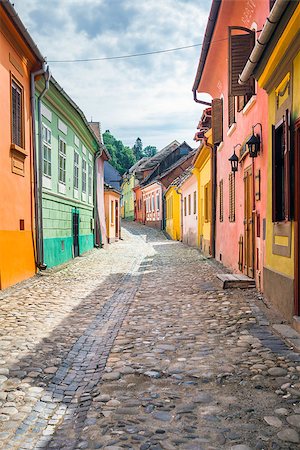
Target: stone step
[{"x": 236, "y": 281}]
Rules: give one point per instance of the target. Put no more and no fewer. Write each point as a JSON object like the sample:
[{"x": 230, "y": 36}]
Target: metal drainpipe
[
  {"x": 37, "y": 170},
  {"x": 47, "y": 75},
  {"x": 96, "y": 216},
  {"x": 200, "y": 101}
]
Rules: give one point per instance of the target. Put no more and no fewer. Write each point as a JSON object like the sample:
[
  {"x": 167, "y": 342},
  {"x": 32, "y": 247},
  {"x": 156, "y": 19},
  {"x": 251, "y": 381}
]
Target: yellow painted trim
[
  {"x": 282, "y": 45},
  {"x": 283, "y": 84}
]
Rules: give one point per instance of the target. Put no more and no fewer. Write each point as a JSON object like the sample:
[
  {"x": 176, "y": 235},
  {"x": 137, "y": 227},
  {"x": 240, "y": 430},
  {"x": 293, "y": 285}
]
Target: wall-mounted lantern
[
  {"x": 234, "y": 160},
  {"x": 253, "y": 142}
]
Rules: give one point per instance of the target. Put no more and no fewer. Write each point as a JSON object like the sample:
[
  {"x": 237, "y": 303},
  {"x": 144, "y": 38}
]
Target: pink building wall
[
  {"x": 250, "y": 14},
  {"x": 100, "y": 202},
  {"x": 190, "y": 213},
  {"x": 152, "y": 195}
]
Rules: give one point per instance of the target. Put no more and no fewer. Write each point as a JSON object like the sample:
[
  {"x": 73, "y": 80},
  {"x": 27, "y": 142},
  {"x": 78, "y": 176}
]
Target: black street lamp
[
  {"x": 234, "y": 160},
  {"x": 253, "y": 143}
]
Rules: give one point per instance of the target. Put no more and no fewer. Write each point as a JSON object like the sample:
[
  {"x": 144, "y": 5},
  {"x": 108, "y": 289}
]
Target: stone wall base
[{"x": 279, "y": 290}]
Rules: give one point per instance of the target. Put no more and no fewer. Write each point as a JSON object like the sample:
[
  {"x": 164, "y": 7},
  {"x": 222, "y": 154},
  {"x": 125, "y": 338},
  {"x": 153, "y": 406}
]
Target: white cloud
[{"x": 148, "y": 96}]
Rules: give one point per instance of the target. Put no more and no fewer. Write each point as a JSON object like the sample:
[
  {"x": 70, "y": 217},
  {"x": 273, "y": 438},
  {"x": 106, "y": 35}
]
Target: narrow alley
[{"x": 139, "y": 347}]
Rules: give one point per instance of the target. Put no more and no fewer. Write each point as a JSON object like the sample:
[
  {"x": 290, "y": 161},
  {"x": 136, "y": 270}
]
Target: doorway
[
  {"x": 248, "y": 223},
  {"x": 297, "y": 219},
  {"x": 75, "y": 226},
  {"x": 117, "y": 218}
]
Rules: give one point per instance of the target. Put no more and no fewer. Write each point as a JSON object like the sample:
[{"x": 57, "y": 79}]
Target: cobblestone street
[{"x": 138, "y": 347}]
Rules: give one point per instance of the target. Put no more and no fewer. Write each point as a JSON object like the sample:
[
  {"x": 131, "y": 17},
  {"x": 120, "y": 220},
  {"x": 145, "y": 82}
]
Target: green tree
[
  {"x": 138, "y": 149},
  {"x": 122, "y": 158},
  {"x": 150, "y": 150}
]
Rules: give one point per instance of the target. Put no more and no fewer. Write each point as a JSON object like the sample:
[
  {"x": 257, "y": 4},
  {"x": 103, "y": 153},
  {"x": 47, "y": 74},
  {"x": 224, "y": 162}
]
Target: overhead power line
[
  {"x": 105, "y": 58},
  {"x": 134, "y": 55}
]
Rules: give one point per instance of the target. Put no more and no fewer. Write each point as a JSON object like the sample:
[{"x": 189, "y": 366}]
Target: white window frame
[
  {"x": 76, "y": 173},
  {"x": 90, "y": 182},
  {"x": 157, "y": 201},
  {"x": 84, "y": 176},
  {"x": 62, "y": 161},
  {"x": 46, "y": 139}
]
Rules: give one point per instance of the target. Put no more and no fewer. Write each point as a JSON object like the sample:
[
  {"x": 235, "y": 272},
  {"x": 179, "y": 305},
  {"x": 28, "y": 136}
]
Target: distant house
[
  {"x": 112, "y": 198},
  {"x": 162, "y": 169},
  {"x": 73, "y": 159},
  {"x": 112, "y": 176}
]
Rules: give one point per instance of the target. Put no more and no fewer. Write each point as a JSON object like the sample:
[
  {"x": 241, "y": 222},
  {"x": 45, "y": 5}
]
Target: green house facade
[{"x": 68, "y": 149}]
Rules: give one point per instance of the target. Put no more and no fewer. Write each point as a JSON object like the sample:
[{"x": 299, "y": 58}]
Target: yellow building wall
[
  {"x": 202, "y": 170},
  {"x": 128, "y": 198},
  {"x": 173, "y": 219},
  {"x": 276, "y": 263},
  {"x": 279, "y": 270},
  {"x": 296, "y": 87}
]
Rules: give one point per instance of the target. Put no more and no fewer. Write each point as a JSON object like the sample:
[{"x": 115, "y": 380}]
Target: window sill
[
  {"x": 249, "y": 105},
  {"x": 61, "y": 188},
  {"x": 17, "y": 149},
  {"x": 47, "y": 182},
  {"x": 231, "y": 130}
]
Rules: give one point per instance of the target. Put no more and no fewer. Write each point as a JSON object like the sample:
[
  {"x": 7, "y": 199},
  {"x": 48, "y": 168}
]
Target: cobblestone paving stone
[{"x": 138, "y": 347}]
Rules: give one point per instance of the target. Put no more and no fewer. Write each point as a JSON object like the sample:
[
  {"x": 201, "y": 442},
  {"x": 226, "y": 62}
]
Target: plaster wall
[
  {"x": 190, "y": 219},
  {"x": 17, "y": 260},
  {"x": 215, "y": 82}
]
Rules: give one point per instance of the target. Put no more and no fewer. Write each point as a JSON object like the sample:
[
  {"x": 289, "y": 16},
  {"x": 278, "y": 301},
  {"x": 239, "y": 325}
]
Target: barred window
[
  {"x": 62, "y": 156},
  {"x": 195, "y": 202},
  {"x": 17, "y": 114},
  {"x": 184, "y": 203},
  {"x": 231, "y": 197},
  {"x": 221, "y": 204},
  {"x": 190, "y": 205}
]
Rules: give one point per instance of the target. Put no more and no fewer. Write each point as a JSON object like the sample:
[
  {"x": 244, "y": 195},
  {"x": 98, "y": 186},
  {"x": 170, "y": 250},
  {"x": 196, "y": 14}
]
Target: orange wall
[
  {"x": 139, "y": 205},
  {"x": 215, "y": 82},
  {"x": 110, "y": 220},
  {"x": 16, "y": 198}
]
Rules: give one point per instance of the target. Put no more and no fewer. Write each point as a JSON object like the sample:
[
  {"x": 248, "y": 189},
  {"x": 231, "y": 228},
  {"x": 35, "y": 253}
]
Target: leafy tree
[
  {"x": 122, "y": 158},
  {"x": 149, "y": 151},
  {"x": 138, "y": 149}
]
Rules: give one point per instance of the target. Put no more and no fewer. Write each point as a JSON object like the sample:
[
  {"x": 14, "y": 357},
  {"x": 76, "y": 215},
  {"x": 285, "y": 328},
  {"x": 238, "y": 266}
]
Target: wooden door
[
  {"x": 117, "y": 219},
  {"x": 248, "y": 223},
  {"x": 75, "y": 221},
  {"x": 297, "y": 219}
]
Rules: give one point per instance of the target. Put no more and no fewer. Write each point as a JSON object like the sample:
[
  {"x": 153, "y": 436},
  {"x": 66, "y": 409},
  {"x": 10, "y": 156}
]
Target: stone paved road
[{"x": 138, "y": 347}]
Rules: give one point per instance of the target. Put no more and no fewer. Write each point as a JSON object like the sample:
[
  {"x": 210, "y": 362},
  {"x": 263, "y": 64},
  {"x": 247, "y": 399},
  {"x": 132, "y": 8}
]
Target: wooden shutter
[
  {"x": 231, "y": 197},
  {"x": 17, "y": 119},
  {"x": 221, "y": 201},
  {"x": 231, "y": 110},
  {"x": 287, "y": 167},
  {"x": 240, "y": 47},
  {"x": 217, "y": 120},
  {"x": 274, "y": 203}
]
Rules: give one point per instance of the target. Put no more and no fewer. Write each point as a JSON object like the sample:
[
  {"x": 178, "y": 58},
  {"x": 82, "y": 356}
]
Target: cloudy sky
[{"x": 147, "y": 96}]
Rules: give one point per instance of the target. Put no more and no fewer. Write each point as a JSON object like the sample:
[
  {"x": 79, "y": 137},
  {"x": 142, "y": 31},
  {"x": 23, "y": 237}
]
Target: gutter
[
  {"x": 264, "y": 38},
  {"x": 96, "y": 216},
  {"x": 14, "y": 17},
  {"x": 210, "y": 27},
  {"x": 38, "y": 163}
]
